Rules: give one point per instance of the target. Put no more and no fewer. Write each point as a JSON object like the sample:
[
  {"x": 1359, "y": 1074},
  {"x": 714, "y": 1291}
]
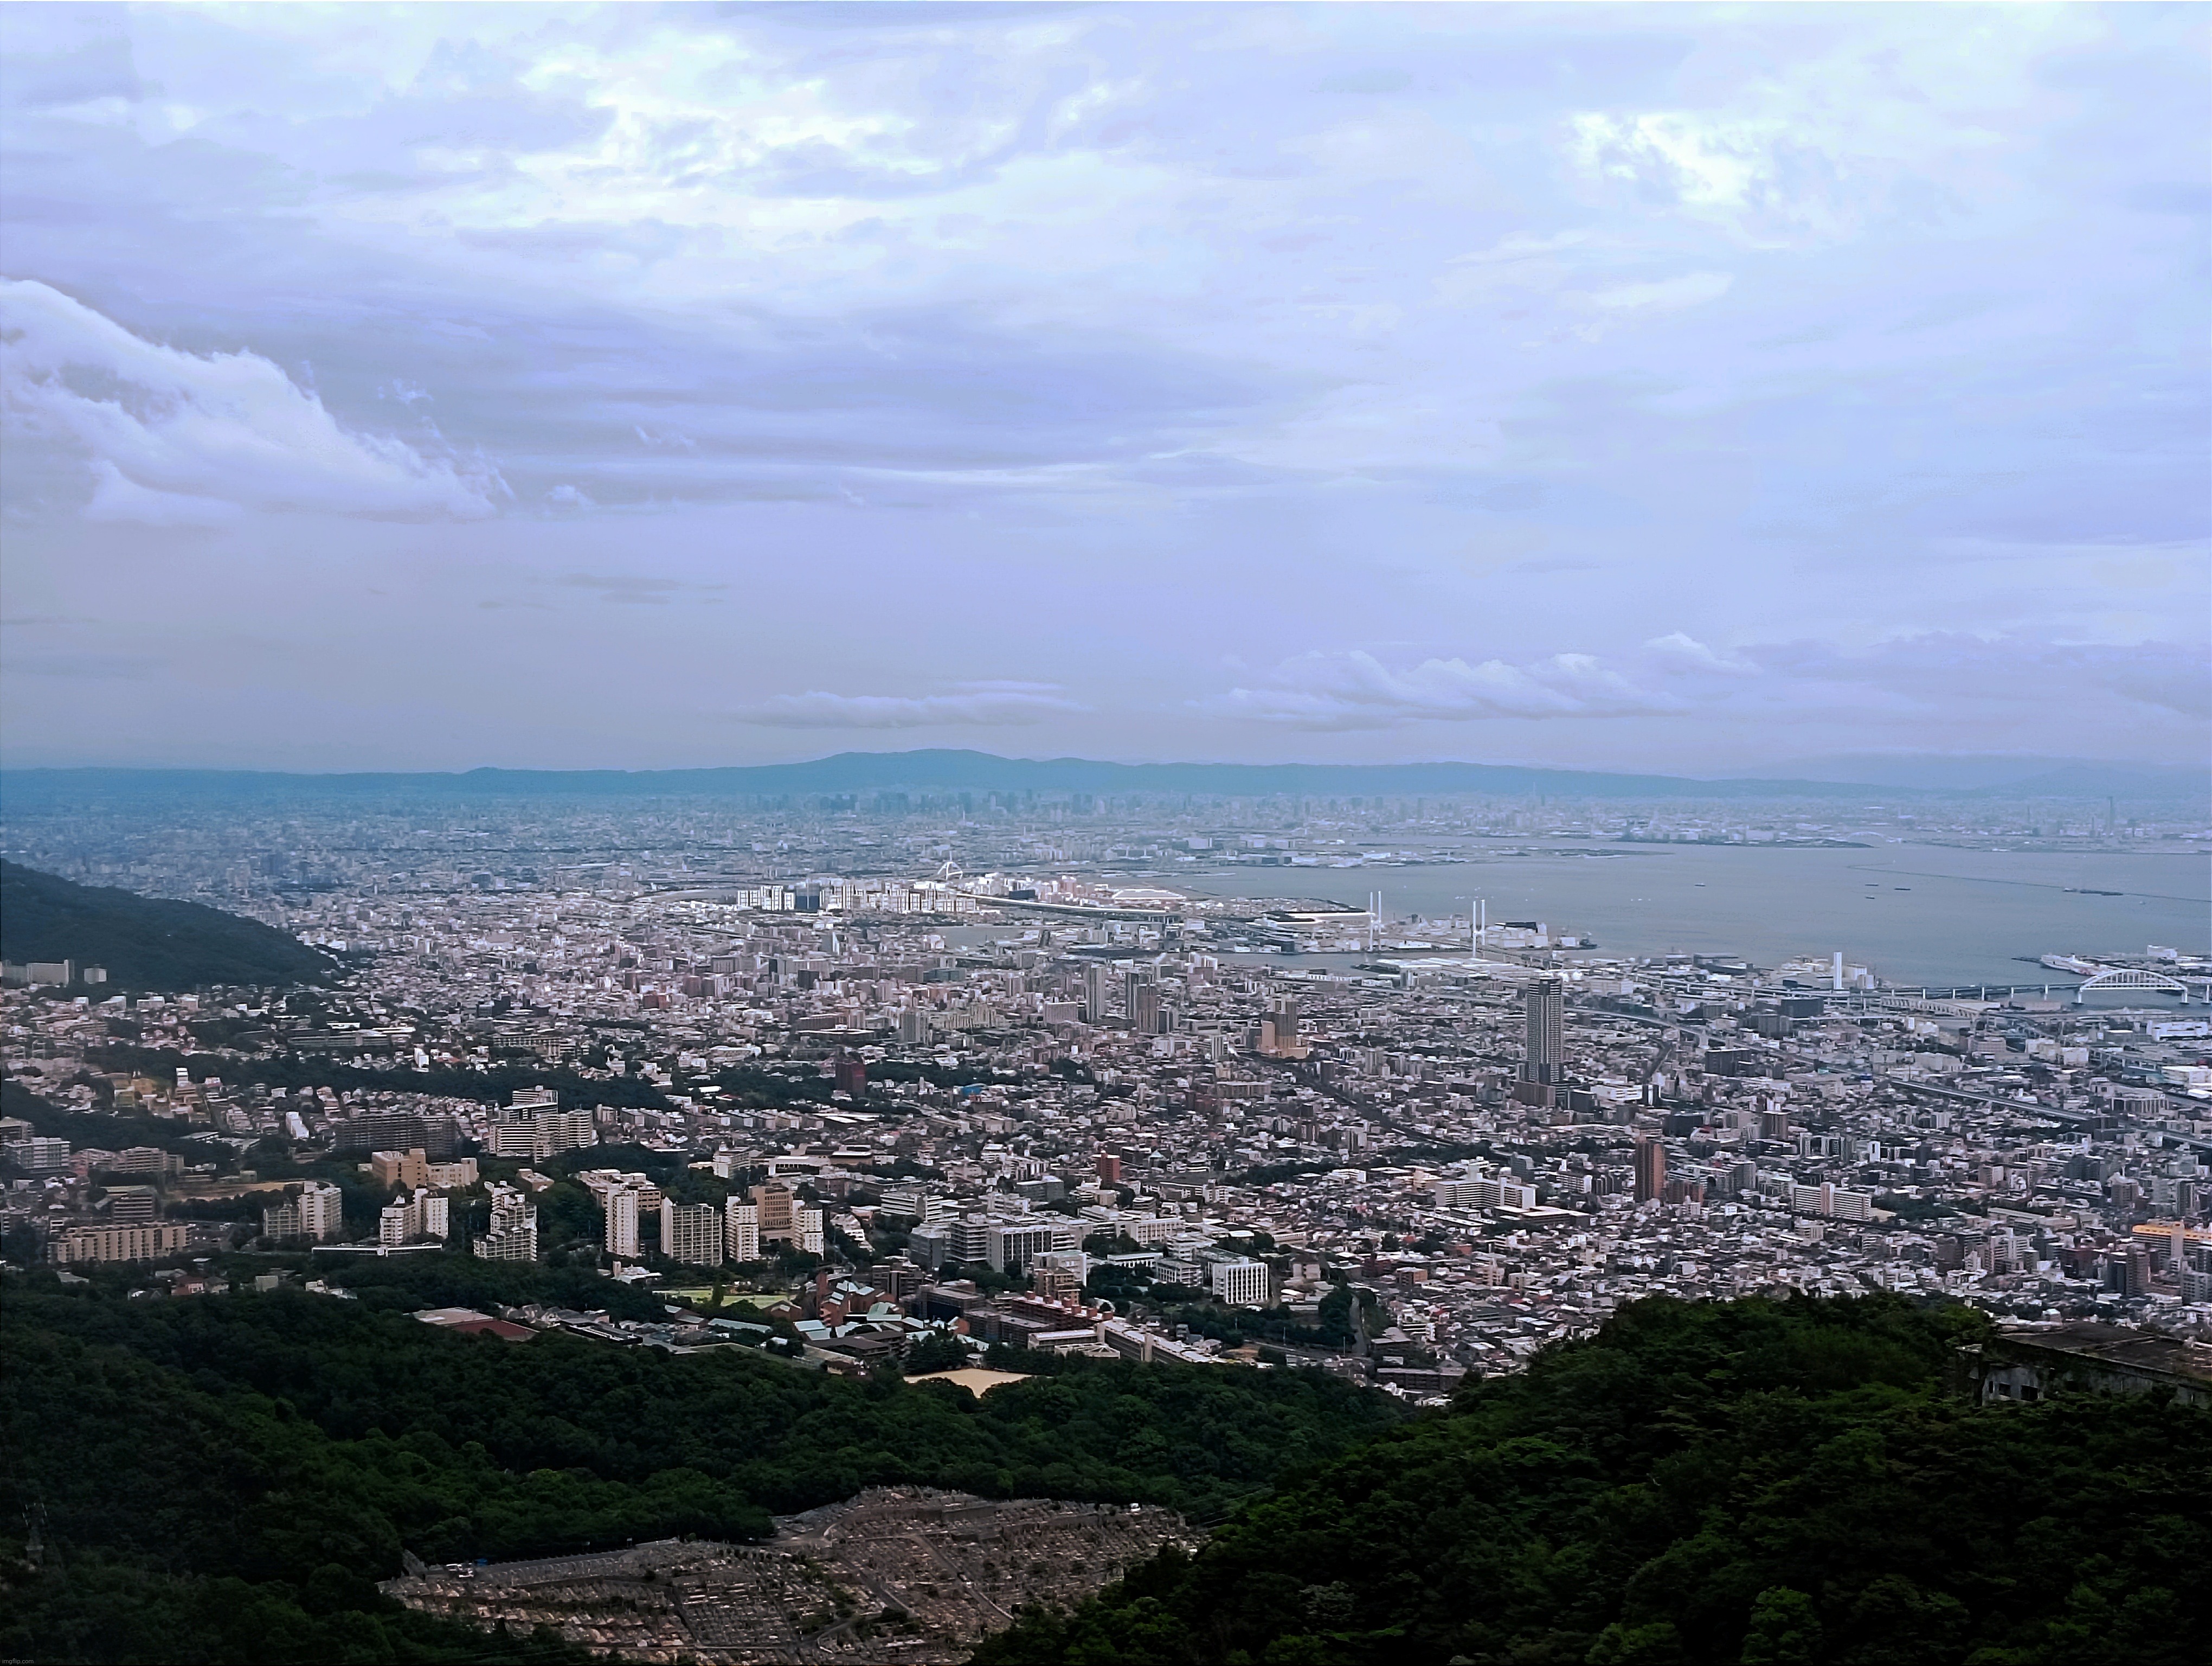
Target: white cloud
[
  {"x": 987, "y": 705},
  {"x": 1666, "y": 295},
  {"x": 1908, "y": 680},
  {"x": 1678, "y": 651},
  {"x": 116, "y": 498},
  {"x": 1709, "y": 163},
  {"x": 1356, "y": 690},
  {"x": 173, "y": 438},
  {"x": 1814, "y": 138}
]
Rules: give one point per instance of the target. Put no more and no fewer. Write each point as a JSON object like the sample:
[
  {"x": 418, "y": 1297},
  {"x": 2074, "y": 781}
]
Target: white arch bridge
[{"x": 2132, "y": 977}]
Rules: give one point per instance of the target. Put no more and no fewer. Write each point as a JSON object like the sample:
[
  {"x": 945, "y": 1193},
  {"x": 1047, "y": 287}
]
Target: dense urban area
[{"x": 938, "y": 1083}]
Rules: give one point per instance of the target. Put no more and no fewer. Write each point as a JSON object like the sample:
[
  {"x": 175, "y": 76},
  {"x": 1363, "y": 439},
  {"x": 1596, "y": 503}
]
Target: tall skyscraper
[
  {"x": 1144, "y": 1008},
  {"x": 1544, "y": 1007},
  {"x": 1094, "y": 993},
  {"x": 1651, "y": 1170}
]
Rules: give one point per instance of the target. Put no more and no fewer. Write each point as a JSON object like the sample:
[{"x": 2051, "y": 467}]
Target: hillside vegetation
[
  {"x": 145, "y": 942},
  {"x": 1749, "y": 1482},
  {"x": 222, "y": 1477}
]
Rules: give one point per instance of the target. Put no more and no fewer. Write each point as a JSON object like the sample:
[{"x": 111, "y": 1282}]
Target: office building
[
  {"x": 773, "y": 1203},
  {"x": 954, "y": 1240},
  {"x": 1012, "y": 1245},
  {"x": 133, "y": 1203},
  {"x": 1133, "y": 979},
  {"x": 1241, "y": 1283},
  {"x": 1544, "y": 1019},
  {"x": 403, "y": 1169},
  {"x": 1651, "y": 1170},
  {"x": 930, "y": 1244},
  {"x": 1094, "y": 993},
  {"x": 1144, "y": 1009}
]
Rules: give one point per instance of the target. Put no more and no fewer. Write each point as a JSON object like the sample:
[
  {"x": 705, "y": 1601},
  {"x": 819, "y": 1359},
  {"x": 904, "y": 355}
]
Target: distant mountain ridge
[
  {"x": 144, "y": 942},
  {"x": 927, "y": 771},
  {"x": 944, "y": 770}
]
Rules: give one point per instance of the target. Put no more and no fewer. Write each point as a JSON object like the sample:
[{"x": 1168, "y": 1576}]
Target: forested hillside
[
  {"x": 144, "y": 942},
  {"x": 1745, "y": 1482},
  {"x": 297, "y": 1443},
  {"x": 222, "y": 1478}
]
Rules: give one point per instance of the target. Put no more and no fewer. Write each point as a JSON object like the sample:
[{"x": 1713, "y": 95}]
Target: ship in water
[{"x": 2070, "y": 962}]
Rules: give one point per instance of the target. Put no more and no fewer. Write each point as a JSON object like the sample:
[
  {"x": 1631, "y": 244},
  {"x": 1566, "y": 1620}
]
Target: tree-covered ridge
[
  {"x": 1750, "y": 1481},
  {"x": 298, "y": 1443},
  {"x": 144, "y": 942}
]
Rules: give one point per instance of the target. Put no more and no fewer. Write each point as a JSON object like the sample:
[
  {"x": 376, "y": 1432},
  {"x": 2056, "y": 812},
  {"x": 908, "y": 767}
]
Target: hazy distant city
[{"x": 1132, "y": 1055}]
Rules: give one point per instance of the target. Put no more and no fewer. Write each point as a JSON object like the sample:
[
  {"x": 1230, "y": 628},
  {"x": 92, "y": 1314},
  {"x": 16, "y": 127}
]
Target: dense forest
[
  {"x": 1749, "y": 1482},
  {"x": 144, "y": 942},
  {"x": 224, "y": 1477}
]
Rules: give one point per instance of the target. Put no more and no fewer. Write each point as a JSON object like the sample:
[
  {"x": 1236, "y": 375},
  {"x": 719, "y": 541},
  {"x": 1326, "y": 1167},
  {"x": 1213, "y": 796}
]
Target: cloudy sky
[{"x": 1655, "y": 388}]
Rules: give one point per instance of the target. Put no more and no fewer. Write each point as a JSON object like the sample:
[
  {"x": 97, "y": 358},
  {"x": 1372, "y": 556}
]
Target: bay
[{"x": 1916, "y": 914}]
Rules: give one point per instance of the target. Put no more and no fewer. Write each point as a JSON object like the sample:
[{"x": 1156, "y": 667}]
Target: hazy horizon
[
  {"x": 936, "y": 769},
  {"x": 1662, "y": 390}
]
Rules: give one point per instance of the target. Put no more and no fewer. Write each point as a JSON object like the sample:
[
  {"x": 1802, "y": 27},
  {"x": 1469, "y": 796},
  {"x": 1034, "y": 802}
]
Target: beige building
[
  {"x": 692, "y": 1233},
  {"x": 136, "y": 1241}
]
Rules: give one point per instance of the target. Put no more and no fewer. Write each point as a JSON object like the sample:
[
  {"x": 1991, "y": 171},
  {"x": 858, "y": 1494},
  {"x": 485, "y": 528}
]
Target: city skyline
[{"x": 1667, "y": 389}]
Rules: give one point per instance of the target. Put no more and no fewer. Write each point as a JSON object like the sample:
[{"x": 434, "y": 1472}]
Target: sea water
[{"x": 1915, "y": 913}]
